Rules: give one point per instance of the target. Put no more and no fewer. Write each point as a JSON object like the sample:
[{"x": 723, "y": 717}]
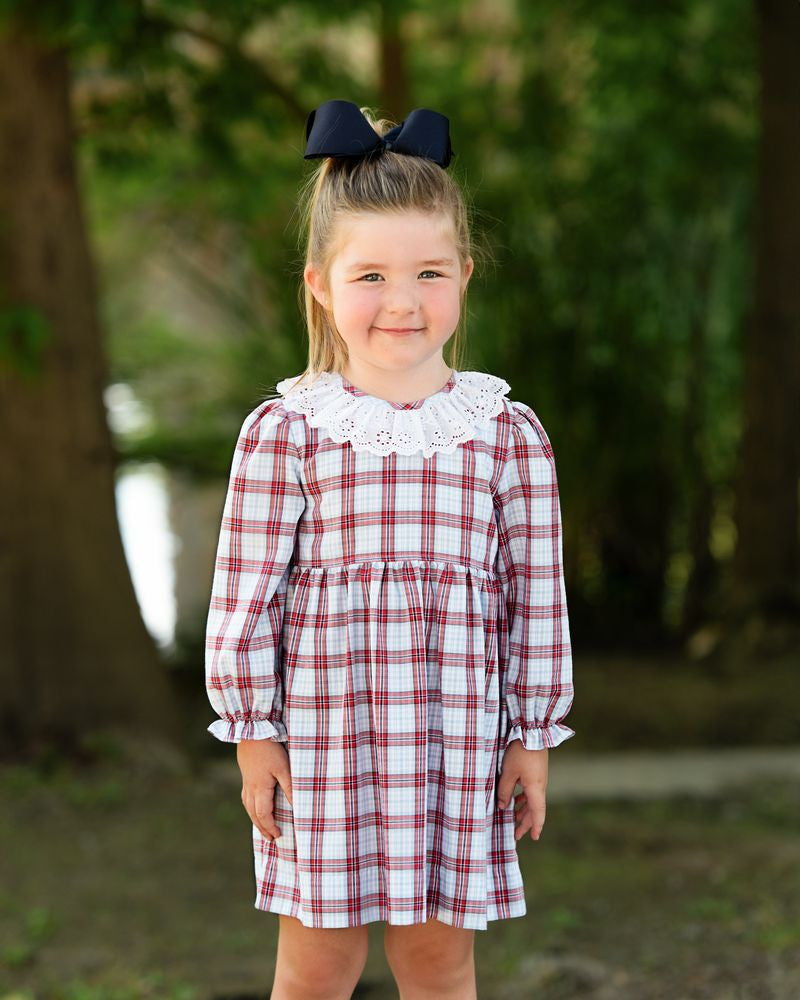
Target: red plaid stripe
[{"x": 396, "y": 620}]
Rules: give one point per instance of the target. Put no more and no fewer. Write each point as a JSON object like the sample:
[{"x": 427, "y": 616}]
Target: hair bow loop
[{"x": 338, "y": 128}]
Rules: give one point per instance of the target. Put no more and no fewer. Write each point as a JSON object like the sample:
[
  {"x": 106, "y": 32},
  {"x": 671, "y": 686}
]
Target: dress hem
[{"x": 514, "y": 908}]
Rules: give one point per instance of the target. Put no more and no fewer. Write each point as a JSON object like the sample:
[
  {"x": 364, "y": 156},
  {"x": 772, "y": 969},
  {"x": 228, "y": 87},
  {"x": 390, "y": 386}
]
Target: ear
[
  {"x": 313, "y": 279},
  {"x": 469, "y": 265}
]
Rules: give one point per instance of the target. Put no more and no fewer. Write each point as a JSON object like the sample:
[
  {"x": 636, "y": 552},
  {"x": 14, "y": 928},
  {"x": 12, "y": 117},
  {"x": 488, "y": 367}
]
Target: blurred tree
[
  {"x": 613, "y": 148},
  {"x": 393, "y": 87},
  {"x": 626, "y": 179},
  {"x": 617, "y": 158},
  {"x": 77, "y": 658},
  {"x": 767, "y": 564}
]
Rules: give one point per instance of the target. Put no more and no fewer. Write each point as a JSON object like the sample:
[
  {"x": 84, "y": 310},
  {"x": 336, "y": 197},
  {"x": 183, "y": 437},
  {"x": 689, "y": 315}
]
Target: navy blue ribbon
[{"x": 338, "y": 128}]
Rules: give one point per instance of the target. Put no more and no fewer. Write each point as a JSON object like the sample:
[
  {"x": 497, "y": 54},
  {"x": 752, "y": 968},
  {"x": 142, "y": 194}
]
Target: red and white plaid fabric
[{"x": 396, "y": 621}]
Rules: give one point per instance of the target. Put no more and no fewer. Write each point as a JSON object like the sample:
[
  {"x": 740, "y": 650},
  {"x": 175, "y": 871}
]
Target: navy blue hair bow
[{"x": 338, "y": 128}]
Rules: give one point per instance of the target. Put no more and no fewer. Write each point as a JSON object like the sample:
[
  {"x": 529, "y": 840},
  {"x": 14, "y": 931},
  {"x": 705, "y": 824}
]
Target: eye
[{"x": 374, "y": 274}]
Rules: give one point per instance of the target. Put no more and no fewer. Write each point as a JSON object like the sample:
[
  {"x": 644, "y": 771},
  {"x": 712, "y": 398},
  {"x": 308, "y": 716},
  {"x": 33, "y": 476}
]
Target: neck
[{"x": 401, "y": 385}]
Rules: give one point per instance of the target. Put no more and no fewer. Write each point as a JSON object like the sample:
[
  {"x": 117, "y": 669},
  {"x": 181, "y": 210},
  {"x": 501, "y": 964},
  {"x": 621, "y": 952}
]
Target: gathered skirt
[{"x": 395, "y": 720}]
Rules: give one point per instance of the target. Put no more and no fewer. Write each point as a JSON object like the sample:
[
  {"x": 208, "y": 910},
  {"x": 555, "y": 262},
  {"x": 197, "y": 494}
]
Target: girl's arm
[
  {"x": 537, "y": 675},
  {"x": 243, "y": 634}
]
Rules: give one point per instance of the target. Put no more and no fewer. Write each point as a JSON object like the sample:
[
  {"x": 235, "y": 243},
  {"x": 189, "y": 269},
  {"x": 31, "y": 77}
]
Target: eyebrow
[{"x": 366, "y": 265}]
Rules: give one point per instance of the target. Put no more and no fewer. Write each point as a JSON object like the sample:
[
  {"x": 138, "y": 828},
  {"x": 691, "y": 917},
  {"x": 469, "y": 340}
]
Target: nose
[{"x": 401, "y": 298}]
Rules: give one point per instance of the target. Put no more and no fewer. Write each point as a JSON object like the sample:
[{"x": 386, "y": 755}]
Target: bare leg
[
  {"x": 432, "y": 961},
  {"x": 320, "y": 962}
]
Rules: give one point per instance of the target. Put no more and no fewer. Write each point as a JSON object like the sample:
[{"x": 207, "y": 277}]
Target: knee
[
  {"x": 332, "y": 974},
  {"x": 327, "y": 978},
  {"x": 328, "y": 971},
  {"x": 406, "y": 953},
  {"x": 426, "y": 960}
]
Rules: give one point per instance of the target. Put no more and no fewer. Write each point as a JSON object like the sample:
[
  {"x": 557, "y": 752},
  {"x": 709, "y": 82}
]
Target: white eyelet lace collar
[{"x": 439, "y": 422}]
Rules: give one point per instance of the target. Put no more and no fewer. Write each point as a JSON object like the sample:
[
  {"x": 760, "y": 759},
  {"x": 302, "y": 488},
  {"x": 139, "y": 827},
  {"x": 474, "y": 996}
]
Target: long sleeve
[
  {"x": 263, "y": 504},
  {"x": 537, "y": 680}
]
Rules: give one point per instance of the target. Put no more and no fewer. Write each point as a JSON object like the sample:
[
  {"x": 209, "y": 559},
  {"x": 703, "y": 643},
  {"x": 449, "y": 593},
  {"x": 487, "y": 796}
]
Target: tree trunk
[
  {"x": 767, "y": 563},
  {"x": 76, "y": 656},
  {"x": 701, "y": 588},
  {"x": 393, "y": 84}
]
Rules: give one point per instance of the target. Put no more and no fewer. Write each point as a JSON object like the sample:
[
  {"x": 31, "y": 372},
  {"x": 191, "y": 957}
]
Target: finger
[
  {"x": 538, "y": 806},
  {"x": 248, "y": 800},
  {"x": 537, "y": 823},
  {"x": 537, "y": 809},
  {"x": 265, "y": 799},
  {"x": 284, "y": 777},
  {"x": 505, "y": 788},
  {"x": 265, "y": 812},
  {"x": 522, "y": 822},
  {"x": 505, "y": 792}
]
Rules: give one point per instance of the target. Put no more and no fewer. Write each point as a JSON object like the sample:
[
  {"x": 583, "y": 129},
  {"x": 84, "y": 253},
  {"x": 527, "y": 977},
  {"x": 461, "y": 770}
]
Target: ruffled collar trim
[{"x": 439, "y": 422}]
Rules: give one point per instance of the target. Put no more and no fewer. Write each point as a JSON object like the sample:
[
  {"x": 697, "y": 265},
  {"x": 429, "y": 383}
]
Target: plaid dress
[{"x": 388, "y": 601}]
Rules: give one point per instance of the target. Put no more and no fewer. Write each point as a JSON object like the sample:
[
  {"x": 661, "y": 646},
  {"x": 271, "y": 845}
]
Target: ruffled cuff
[
  {"x": 235, "y": 730},
  {"x": 540, "y": 737}
]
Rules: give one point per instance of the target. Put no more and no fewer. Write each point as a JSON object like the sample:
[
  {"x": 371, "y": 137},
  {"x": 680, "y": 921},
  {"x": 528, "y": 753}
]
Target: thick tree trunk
[
  {"x": 767, "y": 564},
  {"x": 76, "y": 656}
]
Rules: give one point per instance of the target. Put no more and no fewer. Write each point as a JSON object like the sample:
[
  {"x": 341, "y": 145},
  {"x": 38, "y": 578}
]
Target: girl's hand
[
  {"x": 263, "y": 763},
  {"x": 529, "y": 768}
]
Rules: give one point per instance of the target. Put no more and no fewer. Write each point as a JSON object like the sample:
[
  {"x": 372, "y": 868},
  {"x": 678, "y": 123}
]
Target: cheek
[
  {"x": 357, "y": 302},
  {"x": 445, "y": 301},
  {"x": 354, "y": 312}
]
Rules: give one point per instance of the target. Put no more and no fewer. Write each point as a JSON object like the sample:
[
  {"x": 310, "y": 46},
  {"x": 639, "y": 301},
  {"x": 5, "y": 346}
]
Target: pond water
[{"x": 150, "y": 545}]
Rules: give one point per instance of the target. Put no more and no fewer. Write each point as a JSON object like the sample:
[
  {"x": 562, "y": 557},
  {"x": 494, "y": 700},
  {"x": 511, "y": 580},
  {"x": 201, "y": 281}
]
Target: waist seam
[{"x": 397, "y": 564}]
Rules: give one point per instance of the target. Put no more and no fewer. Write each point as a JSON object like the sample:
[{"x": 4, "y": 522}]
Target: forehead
[{"x": 392, "y": 236}]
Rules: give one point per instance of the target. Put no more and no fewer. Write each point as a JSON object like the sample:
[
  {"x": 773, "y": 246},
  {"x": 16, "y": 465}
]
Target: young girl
[{"x": 388, "y": 642}]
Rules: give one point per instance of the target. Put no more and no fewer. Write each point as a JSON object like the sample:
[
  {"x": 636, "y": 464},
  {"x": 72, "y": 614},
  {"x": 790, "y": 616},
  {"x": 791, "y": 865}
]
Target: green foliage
[
  {"x": 157, "y": 985},
  {"x": 610, "y": 153},
  {"x": 74, "y": 23},
  {"x": 39, "y": 925}
]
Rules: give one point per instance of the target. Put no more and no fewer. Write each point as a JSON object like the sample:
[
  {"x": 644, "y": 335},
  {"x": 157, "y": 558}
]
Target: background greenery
[
  {"x": 614, "y": 154},
  {"x": 609, "y": 151}
]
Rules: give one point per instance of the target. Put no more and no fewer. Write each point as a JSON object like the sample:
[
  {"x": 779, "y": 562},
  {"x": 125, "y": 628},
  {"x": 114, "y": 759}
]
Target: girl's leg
[
  {"x": 320, "y": 962},
  {"x": 432, "y": 960}
]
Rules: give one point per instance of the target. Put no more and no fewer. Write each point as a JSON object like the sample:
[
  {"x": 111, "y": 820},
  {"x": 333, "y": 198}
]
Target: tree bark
[
  {"x": 76, "y": 656},
  {"x": 767, "y": 562},
  {"x": 393, "y": 86}
]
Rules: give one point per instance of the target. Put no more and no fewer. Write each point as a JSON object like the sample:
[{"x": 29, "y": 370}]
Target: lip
[{"x": 404, "y": 329}]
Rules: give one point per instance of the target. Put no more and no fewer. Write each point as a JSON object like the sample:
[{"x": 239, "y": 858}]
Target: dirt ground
[{"x": 134, "y": 879}]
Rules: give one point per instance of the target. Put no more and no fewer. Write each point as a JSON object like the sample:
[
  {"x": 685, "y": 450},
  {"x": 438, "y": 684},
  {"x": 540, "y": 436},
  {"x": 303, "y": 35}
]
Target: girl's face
[{"x": 394, "y": 287}]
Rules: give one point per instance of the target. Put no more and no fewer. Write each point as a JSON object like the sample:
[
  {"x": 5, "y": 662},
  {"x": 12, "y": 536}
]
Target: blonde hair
[{"x": 384, "y": 181}]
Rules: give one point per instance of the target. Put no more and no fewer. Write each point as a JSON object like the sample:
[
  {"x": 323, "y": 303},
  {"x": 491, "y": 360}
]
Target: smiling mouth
[{"x": 405, "y": 329}]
